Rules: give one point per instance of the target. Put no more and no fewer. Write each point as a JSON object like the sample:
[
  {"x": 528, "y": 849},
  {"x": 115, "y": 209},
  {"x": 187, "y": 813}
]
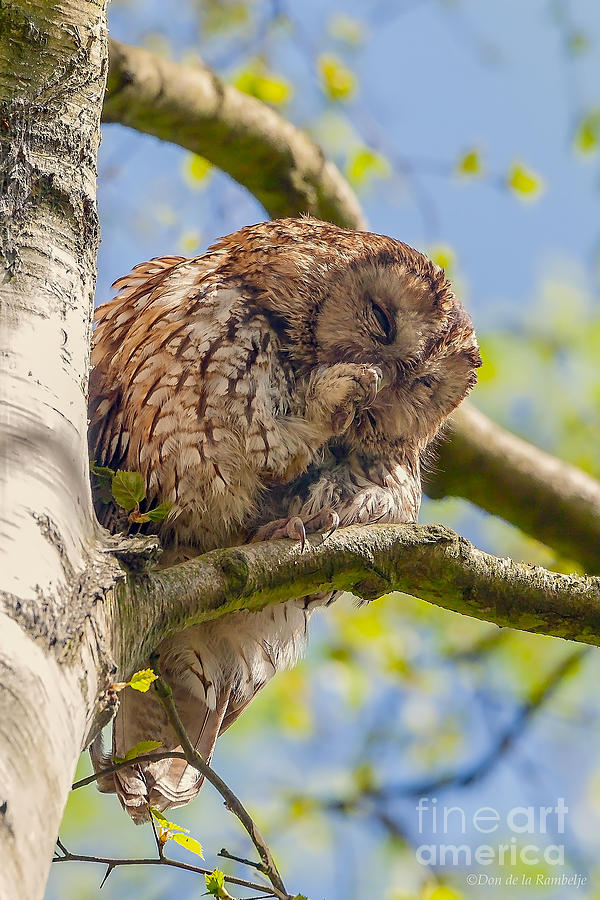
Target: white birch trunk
[{"x": 52, "y": 64}]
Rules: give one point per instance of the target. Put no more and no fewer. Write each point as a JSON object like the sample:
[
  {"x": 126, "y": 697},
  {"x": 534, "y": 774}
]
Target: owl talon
[
  {"x": 334, "y": 526},
  {"x": 296, "y": 528},
  {"x": 326, "y": 521},
  {"x": 296, "y": 531}
]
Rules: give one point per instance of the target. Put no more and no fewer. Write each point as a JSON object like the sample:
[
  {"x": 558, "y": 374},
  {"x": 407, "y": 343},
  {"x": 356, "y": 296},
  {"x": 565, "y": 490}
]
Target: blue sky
[{"x": 434, "y": 81}]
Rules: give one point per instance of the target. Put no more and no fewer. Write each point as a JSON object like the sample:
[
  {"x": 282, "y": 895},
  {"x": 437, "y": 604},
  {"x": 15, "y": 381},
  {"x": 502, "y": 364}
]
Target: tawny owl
[{"x": 288, "y": 380}]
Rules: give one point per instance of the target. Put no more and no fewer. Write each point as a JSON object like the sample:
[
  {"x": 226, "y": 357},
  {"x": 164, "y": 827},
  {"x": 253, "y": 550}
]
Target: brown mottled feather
[{"x": 294, "y": 373}]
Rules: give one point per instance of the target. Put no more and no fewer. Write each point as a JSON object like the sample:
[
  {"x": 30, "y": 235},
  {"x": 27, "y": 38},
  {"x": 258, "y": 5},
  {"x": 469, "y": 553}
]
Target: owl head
[
  {"x": 406, "y": 320},
  {"x": 348, "y": 296}
]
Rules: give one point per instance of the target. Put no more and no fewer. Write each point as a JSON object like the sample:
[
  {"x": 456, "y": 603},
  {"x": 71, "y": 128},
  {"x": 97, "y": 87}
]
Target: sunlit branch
[
  {"x": 431, "y": 562},
  {"x": 191, "y": 106}
]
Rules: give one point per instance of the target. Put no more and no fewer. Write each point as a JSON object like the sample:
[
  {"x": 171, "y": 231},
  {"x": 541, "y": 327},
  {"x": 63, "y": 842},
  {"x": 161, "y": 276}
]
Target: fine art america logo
[{"x": 518, "y": 834}]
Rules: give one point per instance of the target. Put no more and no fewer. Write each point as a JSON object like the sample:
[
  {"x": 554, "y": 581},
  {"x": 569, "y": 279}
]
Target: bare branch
[
  {"x": 143, "y": 757},
  {"x": 267, "y": 866},
  {"x": 231, "y": 801},
  {"x": 192, "y": 107},
  {"x": 113, "y": 863}
]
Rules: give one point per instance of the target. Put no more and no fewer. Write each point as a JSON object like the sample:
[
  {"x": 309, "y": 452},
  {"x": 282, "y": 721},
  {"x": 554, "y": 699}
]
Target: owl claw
[
  {"x": 334, "y": 527},
  {"x": 296, "y": 528},
  {"x": 326, "y": 520}
]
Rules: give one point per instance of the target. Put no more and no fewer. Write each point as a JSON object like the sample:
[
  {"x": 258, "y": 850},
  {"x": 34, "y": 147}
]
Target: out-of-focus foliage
[
  {"x": 470, "y": 164},
  {"x": 255, "y": 79},
  {"x": 552, "y": 352},
  {"x": 197, "y": 170},
  {"x": 365, "y": 164},
  {"x": 525, "y": 183},
  {"x": 338, "y": 82},
  {"x": 587, "y": 133}
]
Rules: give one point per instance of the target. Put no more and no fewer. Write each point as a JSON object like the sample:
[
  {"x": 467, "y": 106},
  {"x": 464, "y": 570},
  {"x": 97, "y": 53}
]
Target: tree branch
[
  {"x": 114, "y": 862},
  {"x": 192, "y": 107},
  {"x": 430, "y": 562},
  {"x": 550, "y": 500},
  {"x": 232, "y": 803},
  {"x": 267, "y": 865},
  {"x": 143, "y": 757}
]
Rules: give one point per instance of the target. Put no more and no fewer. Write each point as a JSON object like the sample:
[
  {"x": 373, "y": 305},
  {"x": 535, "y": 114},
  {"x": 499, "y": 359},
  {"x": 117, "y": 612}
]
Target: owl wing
[{"x": 108, "y": 434}]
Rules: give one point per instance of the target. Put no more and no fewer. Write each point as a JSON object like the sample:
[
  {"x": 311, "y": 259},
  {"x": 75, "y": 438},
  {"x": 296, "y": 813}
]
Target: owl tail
[{"x": 166, "y": 783}]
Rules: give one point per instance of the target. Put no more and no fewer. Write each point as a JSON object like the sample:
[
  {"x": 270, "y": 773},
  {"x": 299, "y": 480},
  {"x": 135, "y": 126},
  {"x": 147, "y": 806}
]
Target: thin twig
[
  {"x": 143, "y": 757},
  {"x": 109, "y": 869},
  {"x": 112, "y": 863},
  {"x": 160, "y": 848},
  {"x": 232, "y": 803},
  {"x": 245, "y": 862}
]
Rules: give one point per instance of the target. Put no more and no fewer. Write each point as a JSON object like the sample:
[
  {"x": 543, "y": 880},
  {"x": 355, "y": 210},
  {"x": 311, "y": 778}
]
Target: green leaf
[
  {"x": 259, "y": 82},
  {"x": 101, "y": 471},
  {"x": 138, "y": 517},
  {"x": 142, "y": 747},
  {"x": 189, "y": 843},
  {"x": 525, "y": 183},
  {"x": 587, "y": 135},
  {"x": 159, "y": 512},
  {"x": 470, "y": 164},
  {"x": 165, "y": 824},
  {"x": 197, "y": 170},
  {"x": 338, "y": 82},
  {"x": 128, "y": 489},
  {"x": 365, "y": 163},
  {"x": 215, "y": 885},
  {"x": 104, "y": 477},
  {"x": 214, "y": 882},
  {"x": 142, "y": 680}
]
